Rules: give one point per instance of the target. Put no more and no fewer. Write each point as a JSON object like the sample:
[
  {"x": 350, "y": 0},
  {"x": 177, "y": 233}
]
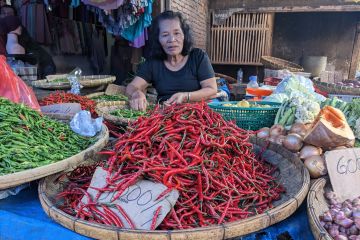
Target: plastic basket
[
  {"x": 345, "y": 98},
  {"x": 248, "y": 118}
]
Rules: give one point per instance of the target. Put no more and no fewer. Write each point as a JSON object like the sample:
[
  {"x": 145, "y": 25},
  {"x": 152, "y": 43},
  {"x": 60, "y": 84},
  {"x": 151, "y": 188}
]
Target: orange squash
[{"x": 330, "y": 129}]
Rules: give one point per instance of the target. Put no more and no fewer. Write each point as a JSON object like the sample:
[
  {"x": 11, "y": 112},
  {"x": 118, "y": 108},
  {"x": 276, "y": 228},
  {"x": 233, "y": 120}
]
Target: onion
[
  {"x": 309, "y": 150},
  {"x": 280, "y": 139},
  {"x": 298, "y": 128},
  {"x": 316, "y": 166},
  {"x": 293, "y": 142},
  {"x": 277, "y": 130},
  {"x": 263, "y": 133}
]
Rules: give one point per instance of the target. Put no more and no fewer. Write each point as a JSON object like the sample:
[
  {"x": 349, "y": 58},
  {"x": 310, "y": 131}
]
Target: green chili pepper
[{"x": 29, "y": 140}]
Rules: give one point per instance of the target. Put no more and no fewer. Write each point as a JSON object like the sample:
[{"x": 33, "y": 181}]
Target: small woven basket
[
  {"x": 248, "y": 118},
  {"x": 104, "y": 109},
  {"x": 278, "y": 63},
  {"x": 85, "y": 81}
]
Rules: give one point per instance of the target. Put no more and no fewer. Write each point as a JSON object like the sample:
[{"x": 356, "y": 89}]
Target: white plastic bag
[
  {"x": 13, "y": 191},
  {"x": 84, "y": 125}
]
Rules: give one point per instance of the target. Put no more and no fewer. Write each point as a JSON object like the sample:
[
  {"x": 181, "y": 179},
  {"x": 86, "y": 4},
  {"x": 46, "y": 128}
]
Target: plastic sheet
[
  {"x": 21, "y": 217},
  {"x": 13, "y": 88}
]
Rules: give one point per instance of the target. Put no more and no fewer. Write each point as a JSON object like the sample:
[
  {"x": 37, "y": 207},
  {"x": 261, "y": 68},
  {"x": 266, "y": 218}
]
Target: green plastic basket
[{"x": 248, "y": 118}]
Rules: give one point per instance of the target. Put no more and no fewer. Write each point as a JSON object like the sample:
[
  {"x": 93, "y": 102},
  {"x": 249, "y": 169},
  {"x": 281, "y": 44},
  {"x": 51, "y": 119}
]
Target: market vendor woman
[{"x": 178, "y": 72}]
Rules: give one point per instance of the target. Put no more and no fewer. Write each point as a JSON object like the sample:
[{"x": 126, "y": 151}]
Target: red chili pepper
[{"x": 154, "y": 220}]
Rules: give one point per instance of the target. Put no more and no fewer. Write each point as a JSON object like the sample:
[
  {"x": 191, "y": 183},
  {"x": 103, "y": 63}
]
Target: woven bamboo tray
[
  {"x": 317, "y": 205},
  {"x": 336, "y": 89},
  {"x": 85, "y": 81},
  {"x": 104, "y": 108},
  {"x": 277, "y": 64},
  {"x": 14, "y": 179},
  {"x": 294, "y": 177}
]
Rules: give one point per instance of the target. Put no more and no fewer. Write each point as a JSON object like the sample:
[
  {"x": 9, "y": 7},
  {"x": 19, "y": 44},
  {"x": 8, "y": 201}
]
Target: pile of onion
[{"x": 293, "y": 141}]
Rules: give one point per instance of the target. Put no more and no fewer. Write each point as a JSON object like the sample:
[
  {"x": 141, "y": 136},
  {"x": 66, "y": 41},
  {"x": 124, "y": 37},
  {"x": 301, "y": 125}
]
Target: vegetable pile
[
  {"x": 127, "y": 113},
  {"x": 29, "y": 140},
  {"x": 246, "y": 104},
  {"x": 194, "y": 150},
  {"x": 349, "y": 83},
  {"x": 342, "y": 220},
  {"x": 118, "y": 97},
  {"x": 62, "y": 97}
]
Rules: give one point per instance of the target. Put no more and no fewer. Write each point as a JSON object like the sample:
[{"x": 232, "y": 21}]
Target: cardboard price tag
[
  {"x": 344, "y": 171},
  {"x": 62, "y": 108},
  {"x": 138, "y": 200}
]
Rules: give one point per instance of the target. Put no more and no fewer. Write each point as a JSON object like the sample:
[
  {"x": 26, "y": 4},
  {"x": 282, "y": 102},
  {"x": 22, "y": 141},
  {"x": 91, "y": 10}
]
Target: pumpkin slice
[{"x": 330, "y": 129}]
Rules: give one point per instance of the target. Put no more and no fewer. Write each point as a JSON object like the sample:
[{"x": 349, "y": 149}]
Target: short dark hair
[{"x": 156, "y": 49}]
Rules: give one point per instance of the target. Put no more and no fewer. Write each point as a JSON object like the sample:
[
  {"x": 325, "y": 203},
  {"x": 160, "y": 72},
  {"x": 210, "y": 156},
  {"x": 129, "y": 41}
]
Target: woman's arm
[
  {"x": 208, "y": 90},
  {"x": 136, "y": 93}
]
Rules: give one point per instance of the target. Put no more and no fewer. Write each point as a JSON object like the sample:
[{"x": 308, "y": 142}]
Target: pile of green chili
[
  {"x": 119, "y": 97},
  {"x": 29, "y": 140}
]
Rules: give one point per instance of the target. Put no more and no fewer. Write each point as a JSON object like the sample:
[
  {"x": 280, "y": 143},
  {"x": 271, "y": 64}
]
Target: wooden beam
[
  {"x": 355, "y": 60},
  {"x": 286, "y": 5}
]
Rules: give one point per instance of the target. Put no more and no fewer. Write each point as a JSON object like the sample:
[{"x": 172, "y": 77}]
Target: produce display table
[{"x": 21, "y": 217}]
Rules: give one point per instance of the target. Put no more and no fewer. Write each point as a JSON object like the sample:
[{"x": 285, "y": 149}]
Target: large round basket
[
  {"x": 293, "y": 176},
  {"x": 317, "y": 205},
  {"x": 85, "y": 81},
  {"x": 104, "y": 108},
  {"x": 332, "y": 88},
  {"x": 278, "y": 64},
  {"x": 14, "y": 179}
]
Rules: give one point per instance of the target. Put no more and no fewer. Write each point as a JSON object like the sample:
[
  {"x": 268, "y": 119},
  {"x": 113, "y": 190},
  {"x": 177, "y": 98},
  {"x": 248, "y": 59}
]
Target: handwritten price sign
[
  {"x": 138, "y": 201},
  {"x": 62, "y": 108},
  {"x": 344, "y": 172}
]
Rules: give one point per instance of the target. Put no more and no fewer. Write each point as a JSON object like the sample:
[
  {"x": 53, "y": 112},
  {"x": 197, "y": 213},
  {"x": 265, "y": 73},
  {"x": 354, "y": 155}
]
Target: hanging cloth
[
  {"x": 140, "y": 41},
  {"x": 105, "y": 4},
  {"x": 34, "y": 19},
  {"x": 135, "y": 30}
]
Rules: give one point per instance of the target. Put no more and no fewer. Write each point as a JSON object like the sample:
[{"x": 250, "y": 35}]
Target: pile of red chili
[
  {"x": 63, "y": 97},
  {"x": 194, "y": 150}
]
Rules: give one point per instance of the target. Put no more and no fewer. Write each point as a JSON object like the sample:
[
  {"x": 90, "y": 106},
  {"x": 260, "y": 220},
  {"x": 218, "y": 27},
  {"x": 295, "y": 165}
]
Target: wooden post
[{"x": 355, "y": 60}]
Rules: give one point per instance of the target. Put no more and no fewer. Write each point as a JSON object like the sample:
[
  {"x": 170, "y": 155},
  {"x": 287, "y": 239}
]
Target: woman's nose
[{"x": 172, "y": 38}]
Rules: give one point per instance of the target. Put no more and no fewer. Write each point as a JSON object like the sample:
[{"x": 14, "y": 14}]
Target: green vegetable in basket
[
  {"x": 353, "y": 116},
  {"x": 119, "y": 97},
  {"x": 29, "y": 140},
  {"x": 297, "y": 109},
  {"x": 128, "y": 113}
]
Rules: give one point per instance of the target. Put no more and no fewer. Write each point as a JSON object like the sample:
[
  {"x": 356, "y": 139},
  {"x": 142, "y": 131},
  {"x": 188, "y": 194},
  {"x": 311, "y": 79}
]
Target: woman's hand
[
  {"x": 138, "y": 101},
  {"x": 178, "y": 98}
]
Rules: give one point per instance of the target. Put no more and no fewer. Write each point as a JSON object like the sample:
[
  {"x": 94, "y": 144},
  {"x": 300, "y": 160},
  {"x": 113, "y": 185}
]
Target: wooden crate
[{"x": 242, "y": 39}]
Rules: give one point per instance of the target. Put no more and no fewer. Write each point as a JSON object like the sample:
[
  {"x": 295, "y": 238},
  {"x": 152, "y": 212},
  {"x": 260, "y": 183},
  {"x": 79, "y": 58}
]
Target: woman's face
[{"x": 171, "y": 37}]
